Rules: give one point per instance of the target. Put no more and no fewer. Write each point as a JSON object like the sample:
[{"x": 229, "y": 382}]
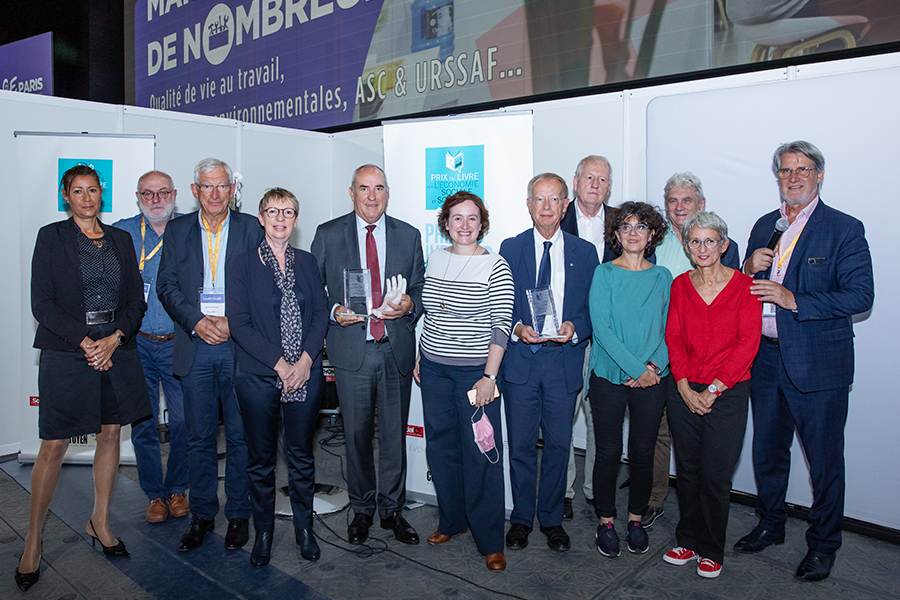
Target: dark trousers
[
  {"x": 379, "y": 384},
  {"x": 469, "y": 487},
  {"x": 541, "y": 402},
  {"x": 208, "y": 382},
  {"x": 645, "y": 407},
  {"x": 707, "y": 448},
  {"x": 156, "y": 358},
  {"x": 819, "y": 417},
  {"x": 261, "y": 408}
]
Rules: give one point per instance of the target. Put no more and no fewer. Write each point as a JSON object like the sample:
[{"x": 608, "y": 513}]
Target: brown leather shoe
[
  {"x": 437, "y": 538},
  {"x": 178, "y": 505},
  {"x": 496, "y": 561},
  {"x": 156, "y": 512}
]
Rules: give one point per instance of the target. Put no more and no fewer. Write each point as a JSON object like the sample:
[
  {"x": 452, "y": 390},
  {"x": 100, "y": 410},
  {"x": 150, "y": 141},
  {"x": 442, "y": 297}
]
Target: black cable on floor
[{"x": 368, "y": 551}]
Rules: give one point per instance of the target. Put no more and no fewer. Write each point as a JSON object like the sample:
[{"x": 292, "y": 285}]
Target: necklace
[{"x": 444, "y": 288}]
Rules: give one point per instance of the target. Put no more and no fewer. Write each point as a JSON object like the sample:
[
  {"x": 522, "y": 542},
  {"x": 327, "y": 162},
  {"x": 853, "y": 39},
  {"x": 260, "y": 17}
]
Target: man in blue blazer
[
  {"x": 818, "y": 276},
  {"x": 373, "y": 359},
  {"x": 191, "y": 287},
  {"x": 542, "y": 370}
]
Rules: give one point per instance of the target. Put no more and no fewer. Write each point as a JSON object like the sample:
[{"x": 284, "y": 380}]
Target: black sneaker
[
  {"x": 652, "y": 514},
  {"x": 607, "y": 540},
  {"x": 636, "y": 539}
]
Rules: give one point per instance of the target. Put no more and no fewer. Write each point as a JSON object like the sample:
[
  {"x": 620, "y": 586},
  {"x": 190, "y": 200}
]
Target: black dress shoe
[
  {"x": 309, "y": 547},
  {"x": 815, "y": 566},
  {"x": 568, "y": 513},
  {"x": 238, "y": 533},
  {"x": 517, "y": 536},
  {"x": 557, "y": 538},
  {"x": 758, "y": 540},
  {"x": 358, "y": 530},
  {"x": 403, "y": 531},
  {"x": 195, "y": 533},
  {"x": 262, "y": 549}
]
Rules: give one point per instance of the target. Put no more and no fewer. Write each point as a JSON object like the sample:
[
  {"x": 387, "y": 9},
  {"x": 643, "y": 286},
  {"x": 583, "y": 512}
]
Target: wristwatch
[
  {"x": 654, "y": 368},
  {"x": 121, "y": 338},
  {"x": 713, "y": 389},
  {"x": 491, "y": 377}
]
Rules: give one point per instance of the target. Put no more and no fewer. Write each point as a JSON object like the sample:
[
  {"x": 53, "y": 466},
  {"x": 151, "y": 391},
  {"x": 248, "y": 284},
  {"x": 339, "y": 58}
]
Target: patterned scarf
[{"x": 291, "y": 321}]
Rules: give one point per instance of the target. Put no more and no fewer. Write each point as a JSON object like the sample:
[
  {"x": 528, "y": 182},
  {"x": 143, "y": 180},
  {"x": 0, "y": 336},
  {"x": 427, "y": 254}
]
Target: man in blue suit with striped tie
[
  {"x": 817, "y": 277},
  {"x": 542, "y": 370}
]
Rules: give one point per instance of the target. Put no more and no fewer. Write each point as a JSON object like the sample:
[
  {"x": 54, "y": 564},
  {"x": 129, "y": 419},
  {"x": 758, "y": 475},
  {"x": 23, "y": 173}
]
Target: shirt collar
[
  {"x": 361, "y": 223},
  {"x": 539, "y": 239},
  {"x": 584, "y": 218},
  {"x": 807, "y": 210},
  {"x": 200, "y": 218}
]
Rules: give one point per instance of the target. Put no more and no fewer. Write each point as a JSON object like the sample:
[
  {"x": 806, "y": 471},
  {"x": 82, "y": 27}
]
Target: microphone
[{"x": 781, "y": 226}]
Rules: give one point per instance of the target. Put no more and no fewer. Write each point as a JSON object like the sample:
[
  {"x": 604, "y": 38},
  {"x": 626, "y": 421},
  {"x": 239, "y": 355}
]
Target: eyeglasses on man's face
[
  {"x": 803, "y": 172},
  {"x": 148, "y": 196}
]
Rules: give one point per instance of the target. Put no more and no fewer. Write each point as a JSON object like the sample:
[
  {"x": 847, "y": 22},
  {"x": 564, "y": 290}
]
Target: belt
[
  {"x": 99, "y": 317},
  {"x": 552, "y": 344},
  {"x": 771, "y": 340},
  {"x": 383, "y": 340},
  {"x": 157, "y": 338}
]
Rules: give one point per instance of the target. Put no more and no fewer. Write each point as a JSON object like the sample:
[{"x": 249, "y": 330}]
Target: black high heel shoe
[
  {"x": 117, "y": 550},
  {"x": 26, "y": 580}
]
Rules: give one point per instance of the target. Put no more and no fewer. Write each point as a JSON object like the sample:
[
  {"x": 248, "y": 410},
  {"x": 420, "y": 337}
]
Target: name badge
[
  {"x": 212, "y": 305},
  {"x": 146, "y": 292},
  {"x": 768, "y": 309}
]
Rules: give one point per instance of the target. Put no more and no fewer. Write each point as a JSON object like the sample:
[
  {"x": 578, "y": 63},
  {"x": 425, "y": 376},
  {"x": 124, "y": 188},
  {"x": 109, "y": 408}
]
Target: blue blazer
[
  {"x": 180, "y": 276},
  {"x": 581, "y": 260},
  {"x": 830, "y": 275},
  {"x": 252, "y": 298}
]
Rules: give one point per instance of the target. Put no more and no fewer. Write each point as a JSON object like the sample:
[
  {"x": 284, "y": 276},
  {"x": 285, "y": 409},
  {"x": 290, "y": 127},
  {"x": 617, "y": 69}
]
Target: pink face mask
[{"x": 484, "y": 434}]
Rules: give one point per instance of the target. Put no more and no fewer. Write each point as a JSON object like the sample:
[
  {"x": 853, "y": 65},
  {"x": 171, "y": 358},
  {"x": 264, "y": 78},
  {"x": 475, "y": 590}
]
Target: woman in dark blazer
[
  {"x": 278, "y": 316},
  {"x": 87, "y": 297}
]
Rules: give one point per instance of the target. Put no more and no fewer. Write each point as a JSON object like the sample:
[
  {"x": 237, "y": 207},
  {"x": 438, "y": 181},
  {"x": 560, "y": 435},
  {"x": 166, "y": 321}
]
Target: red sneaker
[
  {"x": 709, "y": 568},
  {"x": 680, "y": 556}
]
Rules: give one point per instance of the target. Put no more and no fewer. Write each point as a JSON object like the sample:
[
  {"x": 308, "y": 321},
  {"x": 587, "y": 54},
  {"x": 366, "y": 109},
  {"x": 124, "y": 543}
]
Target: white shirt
[
  {"x": 557, "y": 270},
  {"x": 592, "y": 229},
  {"x": 381, "y": 244}
]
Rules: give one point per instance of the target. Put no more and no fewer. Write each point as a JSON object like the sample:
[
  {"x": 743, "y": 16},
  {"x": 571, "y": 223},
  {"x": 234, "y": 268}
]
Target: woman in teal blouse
[{"x": 628, "y": 302}]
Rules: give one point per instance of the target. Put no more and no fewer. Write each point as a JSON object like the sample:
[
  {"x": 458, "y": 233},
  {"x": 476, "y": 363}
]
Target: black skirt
[{"x": 77, "y": 400}]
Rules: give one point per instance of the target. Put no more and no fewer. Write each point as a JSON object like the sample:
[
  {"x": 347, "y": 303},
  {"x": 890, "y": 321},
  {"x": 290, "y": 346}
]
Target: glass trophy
[
  {"x": 357, "y": 292},
  {"x": 543, "y": 312}
]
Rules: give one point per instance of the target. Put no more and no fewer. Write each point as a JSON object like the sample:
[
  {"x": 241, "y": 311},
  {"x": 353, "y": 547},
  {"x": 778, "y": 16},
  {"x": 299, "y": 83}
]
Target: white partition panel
[{"x": 727, "y": 138}]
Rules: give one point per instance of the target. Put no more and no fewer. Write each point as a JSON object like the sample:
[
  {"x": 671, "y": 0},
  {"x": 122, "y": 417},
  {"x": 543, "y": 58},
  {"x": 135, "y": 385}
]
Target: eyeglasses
[
  {"x": 272, "y": 213},
  {"x": 803, "y": 172},
  {"x": 223, "y": 188},
  {"x": 628, "y": 228},
  {"x": 695, "y": 243},
  {"x": 161, "y": 194}
]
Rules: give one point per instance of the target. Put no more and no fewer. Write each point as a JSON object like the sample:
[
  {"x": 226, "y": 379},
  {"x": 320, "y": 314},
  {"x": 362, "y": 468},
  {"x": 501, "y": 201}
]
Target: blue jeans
[
  {"x": 208, "y": 382},
  {"x": 156, "y": 358}
]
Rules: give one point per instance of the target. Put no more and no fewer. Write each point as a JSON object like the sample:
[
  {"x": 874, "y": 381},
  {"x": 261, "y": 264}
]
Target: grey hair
[
  {"x": 805, "y": 148},
  {"x": 149, "y": 173},
  {"x": 211, "y": 164},
  {"x": 593, "y": 158},
  {"x": 367, "y": 166},
  {"x": 684, "y": 179},
  {"x": 705, "y": 220},
  {"x": 549, "y": 177},
  {"x": 276, "y": 193}
]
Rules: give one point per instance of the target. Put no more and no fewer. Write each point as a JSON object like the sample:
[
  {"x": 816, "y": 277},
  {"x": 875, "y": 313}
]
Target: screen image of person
[
  {"x": 87, "y": 297},
  {"x": 712, "y": 335},
  {"x": 628, "y": 302},
  {"x": 468, "y": 300},
  {"x": 278, "y": 318}
]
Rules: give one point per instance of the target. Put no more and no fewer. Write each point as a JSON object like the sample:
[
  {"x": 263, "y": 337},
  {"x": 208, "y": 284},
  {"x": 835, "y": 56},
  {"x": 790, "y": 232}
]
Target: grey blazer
[{"x": 336, "y": 247}]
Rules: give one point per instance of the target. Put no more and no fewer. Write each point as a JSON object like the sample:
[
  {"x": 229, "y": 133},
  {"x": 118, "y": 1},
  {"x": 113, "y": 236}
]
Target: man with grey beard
[{"x": 156, "y": 200}]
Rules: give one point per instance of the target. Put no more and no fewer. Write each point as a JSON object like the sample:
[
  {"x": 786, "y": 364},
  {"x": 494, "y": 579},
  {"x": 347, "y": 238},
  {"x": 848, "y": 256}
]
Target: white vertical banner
[
  {"x": 41, "y": 160},
  {"x": 428, "y": 160}
]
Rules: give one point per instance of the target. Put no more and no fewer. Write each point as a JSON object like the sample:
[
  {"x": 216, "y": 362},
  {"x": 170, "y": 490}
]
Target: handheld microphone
[{"x": 781, "y": 226}]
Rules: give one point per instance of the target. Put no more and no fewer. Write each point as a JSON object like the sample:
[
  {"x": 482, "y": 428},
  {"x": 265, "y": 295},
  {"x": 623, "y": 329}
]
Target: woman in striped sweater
[{"x": 468, "y": 301}]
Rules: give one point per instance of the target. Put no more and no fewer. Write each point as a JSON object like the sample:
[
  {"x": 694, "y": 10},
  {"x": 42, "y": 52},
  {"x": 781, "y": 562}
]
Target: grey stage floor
[{"x": 71, "y": 569}]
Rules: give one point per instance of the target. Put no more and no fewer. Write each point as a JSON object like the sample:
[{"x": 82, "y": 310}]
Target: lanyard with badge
[
  {"x": 769, "y": 307},
  {"x": 212, "y": 304},
  {"x": 144, "y": 258}
]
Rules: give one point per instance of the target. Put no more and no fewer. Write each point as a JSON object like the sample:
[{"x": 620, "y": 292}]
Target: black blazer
[
  {"x": 256, "y": 328},
  {"x": 569, "y": 224},
  {"x": 57, "y": 292},
  {"x": 181, "y": 276}
]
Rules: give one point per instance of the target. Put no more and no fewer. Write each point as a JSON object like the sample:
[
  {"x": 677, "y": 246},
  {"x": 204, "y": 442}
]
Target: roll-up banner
[
  {"x": 426, "y": 161},
  {"x": 42, "y": 158}
]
